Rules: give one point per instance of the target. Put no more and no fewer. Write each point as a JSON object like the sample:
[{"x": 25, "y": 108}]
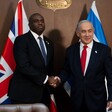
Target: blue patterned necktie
[{"x": 42, "y": 48}]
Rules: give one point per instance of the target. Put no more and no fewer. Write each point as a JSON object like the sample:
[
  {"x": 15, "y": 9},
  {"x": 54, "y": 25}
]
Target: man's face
[
  {"x": 85, "y": 33},
  {"x": 37, "y": 24}
]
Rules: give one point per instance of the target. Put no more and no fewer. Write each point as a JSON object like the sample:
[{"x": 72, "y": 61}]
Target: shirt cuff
[{"x": 45, "y": 79}]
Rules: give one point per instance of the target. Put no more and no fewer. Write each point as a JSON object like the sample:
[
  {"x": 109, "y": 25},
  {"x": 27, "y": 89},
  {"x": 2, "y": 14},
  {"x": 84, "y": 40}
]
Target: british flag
[{"x": 7, "y": 63}]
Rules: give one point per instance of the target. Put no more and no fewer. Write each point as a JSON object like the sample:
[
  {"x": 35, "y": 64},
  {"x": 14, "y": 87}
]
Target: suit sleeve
[{"x": 65, "y": 73}]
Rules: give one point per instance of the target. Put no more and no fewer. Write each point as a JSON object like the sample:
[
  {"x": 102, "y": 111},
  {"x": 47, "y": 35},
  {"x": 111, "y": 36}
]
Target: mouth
[
  {"x": 40, "y": 26},
  {"x": 87, "y": 38}
]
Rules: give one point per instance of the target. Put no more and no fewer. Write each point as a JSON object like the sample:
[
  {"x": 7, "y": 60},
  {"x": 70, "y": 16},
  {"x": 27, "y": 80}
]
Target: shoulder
[
  {"x": 73, "y": 46},
  {"x": 22, "y": 37},
  {"x": 101, "y": 46},
  {"x": 104, "y": 49}
]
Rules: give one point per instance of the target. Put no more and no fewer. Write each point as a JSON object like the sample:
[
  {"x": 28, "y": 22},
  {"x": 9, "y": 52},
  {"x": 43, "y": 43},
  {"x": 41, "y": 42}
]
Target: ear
[{"x": 77, "y": 33}]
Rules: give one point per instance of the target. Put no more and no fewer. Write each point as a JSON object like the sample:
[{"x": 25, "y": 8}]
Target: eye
[
  {"x": 90, "y": 30},
  {"x": 83, "y": 31},
  {"x": 35, "y": 20}
]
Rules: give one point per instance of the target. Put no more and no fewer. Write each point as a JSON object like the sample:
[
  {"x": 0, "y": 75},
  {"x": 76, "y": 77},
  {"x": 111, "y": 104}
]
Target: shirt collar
[
  {"x": 36, "y": 35},
  {"x": 90, "y": 45}
]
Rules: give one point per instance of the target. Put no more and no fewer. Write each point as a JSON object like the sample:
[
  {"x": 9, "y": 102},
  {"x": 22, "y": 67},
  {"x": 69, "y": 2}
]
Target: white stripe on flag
[
  {"x": 3, "y": 98},
  {"x": 11, "y": 36},
  {"x": 52, "y": 98},
  {"x": 25, "y": 21},
  {"x": 7, "y": 71},
  {"x": 52, "y": 107},
  {"x": 93, "y": 7}
]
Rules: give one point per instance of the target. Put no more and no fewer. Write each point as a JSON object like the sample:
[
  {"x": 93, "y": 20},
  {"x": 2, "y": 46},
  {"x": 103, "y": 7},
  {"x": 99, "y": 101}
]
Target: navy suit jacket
[
  {"x": 92, "y": 85},
  {"x": 30, "y": 72}
]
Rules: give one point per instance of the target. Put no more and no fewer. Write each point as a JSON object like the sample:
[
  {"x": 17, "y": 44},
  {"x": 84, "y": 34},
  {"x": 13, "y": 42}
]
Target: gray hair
[{"x": 83, "y": 21}]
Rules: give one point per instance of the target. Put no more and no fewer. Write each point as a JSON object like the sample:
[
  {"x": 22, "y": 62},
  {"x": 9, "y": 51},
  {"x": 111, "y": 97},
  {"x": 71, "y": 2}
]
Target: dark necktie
[
  {"x": 83, "y": 58},
  {"x": 42, "y": 48}
]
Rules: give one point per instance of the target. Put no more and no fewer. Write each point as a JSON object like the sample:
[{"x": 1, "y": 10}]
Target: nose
[
  {"x": 39, "y": 22},
  {"x": 87, "y": 33}
]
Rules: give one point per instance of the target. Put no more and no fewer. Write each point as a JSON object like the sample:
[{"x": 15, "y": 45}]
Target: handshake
[{"x": 54, "y": 81}]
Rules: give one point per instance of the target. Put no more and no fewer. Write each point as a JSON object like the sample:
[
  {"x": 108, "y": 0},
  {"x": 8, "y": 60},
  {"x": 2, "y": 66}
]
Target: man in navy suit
[
  {"x": 88, "y": 91},
  {"x": 30, "y": 82}
]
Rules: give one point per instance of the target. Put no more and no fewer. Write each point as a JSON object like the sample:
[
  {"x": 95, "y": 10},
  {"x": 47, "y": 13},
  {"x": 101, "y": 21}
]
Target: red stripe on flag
[
  {"x": 4, "y": 86},
  {"x": 8, "y": 54},
  {"x": 2, "y": 68},
  {"x": 20, "y": 22}
]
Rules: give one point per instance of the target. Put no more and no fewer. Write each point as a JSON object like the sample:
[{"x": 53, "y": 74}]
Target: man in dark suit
[
  {"x": 88, "y": 91},
  {"x": 30, "y": 82}
]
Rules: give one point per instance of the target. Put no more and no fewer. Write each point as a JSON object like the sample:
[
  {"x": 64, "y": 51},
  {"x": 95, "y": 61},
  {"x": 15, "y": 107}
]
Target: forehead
[
  {"x": 86, "y": 26},
  {"x": 37, "y": 17}
]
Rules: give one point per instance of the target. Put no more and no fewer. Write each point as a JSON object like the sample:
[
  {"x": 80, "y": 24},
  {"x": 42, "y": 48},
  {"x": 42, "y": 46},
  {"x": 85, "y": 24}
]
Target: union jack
[{"x": 7, "y": 63}]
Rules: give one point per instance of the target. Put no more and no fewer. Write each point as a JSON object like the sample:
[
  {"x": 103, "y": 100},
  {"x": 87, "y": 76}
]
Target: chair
[{"x": 24, "y": 108}]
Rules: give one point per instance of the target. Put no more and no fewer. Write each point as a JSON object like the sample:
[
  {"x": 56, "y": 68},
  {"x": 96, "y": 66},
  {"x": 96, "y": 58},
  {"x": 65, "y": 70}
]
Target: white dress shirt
[{"x": 36, "y": 38}]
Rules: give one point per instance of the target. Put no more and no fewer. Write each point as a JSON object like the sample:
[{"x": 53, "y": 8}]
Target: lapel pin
[
  {"x": 47, "y": 42},
  {"x": 96, "y": 52}
]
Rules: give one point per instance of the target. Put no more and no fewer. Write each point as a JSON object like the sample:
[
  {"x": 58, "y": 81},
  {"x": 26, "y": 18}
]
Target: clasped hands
[{"x": 54, "y": 81}]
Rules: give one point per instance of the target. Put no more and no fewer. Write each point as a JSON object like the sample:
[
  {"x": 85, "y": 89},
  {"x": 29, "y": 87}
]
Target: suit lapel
[
  {"x": 36, "y": 46},
  {"x": 76, "y": 58},
  {"x": 93, "y": 58},
  {"x": 47, "y": 48}
]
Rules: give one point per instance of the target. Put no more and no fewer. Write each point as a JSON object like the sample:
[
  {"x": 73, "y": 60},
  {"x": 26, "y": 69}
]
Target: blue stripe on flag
[
  {"x": 13, "y": 27},
  {"x": 7, "y": 101},
  {"x": 1, "y": 74}
]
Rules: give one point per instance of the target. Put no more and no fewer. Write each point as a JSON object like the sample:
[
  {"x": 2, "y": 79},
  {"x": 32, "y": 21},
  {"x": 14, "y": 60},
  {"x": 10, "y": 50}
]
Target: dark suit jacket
[
  {"x": 92, "y": 85},
  {"x": 30, "y": 73}
]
